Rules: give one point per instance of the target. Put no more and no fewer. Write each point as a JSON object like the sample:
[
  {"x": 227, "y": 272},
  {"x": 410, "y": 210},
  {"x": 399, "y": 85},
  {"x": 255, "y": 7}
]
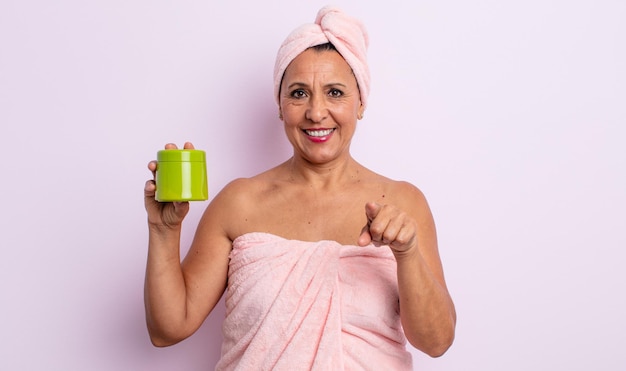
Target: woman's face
[{"x": 320, "y": 103}]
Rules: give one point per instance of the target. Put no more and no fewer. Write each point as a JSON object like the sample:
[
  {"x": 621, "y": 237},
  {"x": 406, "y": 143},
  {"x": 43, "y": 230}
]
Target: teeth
[{"x": 319, "y": 133}]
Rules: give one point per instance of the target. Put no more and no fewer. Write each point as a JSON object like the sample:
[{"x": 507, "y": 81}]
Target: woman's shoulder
[
  {"x": 238, "y": 190},
  {"x": 246, "y": 189},
  {"x": 393, "y": 186},
  {"x": 242, "y": 203},
  {"x": 396, "y": 191}
]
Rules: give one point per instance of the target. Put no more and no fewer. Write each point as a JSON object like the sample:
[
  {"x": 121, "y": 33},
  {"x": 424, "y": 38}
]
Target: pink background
[{"x": 510, "y": 116}]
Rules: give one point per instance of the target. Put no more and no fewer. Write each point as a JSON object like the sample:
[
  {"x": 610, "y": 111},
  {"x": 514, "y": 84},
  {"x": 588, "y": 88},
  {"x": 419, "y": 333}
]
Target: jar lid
[{"x": 178, "y": 155}]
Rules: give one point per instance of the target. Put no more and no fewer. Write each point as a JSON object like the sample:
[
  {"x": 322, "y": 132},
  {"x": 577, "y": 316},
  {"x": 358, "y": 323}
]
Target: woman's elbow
[
  {"x": 161, "y": 339},
  {"x": 435, "y": 343},
  {"x": 437, "y": 346},
  {"x": 439, "y": 349},
  {"x": 161, "y": 342}
]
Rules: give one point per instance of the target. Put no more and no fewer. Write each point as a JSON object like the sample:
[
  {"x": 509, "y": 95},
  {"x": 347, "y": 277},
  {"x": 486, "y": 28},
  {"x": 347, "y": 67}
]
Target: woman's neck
[{"x": 323, "y": 176}]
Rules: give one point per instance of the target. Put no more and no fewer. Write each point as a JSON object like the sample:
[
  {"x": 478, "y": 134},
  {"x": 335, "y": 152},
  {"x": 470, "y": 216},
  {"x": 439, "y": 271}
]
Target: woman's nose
[{"x": 317, "y": 110}]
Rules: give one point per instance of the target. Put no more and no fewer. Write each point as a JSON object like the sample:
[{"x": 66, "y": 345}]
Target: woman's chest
[{"x": 339, "y": 218}]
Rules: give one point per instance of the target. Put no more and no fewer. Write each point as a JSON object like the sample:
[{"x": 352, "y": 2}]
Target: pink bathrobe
[{"x": 295, "y": 305}]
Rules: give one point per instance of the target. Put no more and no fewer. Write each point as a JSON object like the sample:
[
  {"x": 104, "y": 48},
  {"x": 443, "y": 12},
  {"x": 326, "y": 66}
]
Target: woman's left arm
[{"x": 426, "y": 309}]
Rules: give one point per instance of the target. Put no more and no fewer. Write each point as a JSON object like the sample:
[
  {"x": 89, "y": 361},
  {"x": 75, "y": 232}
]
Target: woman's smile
[{"x": 319, "y": 135}]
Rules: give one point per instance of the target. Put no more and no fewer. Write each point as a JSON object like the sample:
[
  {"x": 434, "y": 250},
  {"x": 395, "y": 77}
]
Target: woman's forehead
[{"x": 312, "y": 63}]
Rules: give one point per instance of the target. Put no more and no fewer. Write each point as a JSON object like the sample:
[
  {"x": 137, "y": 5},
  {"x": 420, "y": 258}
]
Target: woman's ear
[{"x": 361, "y": 111}]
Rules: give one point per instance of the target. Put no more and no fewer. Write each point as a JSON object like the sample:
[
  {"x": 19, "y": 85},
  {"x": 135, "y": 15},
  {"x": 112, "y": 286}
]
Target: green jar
[{"x": 181, "y": 175}]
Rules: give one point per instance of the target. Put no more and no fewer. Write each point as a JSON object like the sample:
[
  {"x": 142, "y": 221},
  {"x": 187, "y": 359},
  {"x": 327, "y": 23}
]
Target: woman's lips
[{"x": 319, "y": 135}]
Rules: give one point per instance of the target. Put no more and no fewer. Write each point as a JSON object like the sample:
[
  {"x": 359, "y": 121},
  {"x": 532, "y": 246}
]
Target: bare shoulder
[
  {"x": 236, "y": 191},
  {"x": 409, "y": 192},
  {"x": 235, "y": 205},
  {"x": 399, "y": 192},
  {"x": 241, "y": 191},
  {"x": 416, "y": 202}
]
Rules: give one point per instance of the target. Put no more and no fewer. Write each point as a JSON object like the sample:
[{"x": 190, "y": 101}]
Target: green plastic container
[{"x": 181, "y": 175}]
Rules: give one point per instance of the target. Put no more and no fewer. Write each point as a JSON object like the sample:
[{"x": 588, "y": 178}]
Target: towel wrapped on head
[{"x": 347, "y": 34}]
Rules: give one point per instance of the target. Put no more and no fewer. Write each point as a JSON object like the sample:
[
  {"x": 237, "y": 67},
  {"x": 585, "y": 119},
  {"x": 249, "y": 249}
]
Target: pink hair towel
[{"x": 347, "y": 34}]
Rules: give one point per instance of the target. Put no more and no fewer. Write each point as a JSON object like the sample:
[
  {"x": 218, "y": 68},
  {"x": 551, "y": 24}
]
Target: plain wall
[{"x": 510, "y": 116}]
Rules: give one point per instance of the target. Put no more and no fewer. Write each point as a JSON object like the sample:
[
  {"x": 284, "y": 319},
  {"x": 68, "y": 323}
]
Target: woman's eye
[
  {"x": 298, "y": 93},
  {"x": 335, "y": 93}
]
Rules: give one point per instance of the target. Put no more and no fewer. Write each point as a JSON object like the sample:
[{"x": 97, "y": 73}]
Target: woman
[{"x": 326, "y": 264}]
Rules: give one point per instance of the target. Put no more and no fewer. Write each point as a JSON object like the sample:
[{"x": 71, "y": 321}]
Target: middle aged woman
[{"x": 326, "y": 264}]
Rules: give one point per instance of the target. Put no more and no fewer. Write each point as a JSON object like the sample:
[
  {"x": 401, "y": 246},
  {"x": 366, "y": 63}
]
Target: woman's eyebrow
[{"x": 301, "y": 84}]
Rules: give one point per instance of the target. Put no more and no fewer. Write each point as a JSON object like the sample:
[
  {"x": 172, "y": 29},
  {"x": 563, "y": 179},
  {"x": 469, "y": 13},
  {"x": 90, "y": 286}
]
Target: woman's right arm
[{"x": 178, "y": 297}]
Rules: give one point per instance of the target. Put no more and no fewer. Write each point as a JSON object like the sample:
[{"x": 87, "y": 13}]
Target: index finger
[{"x": 371, "y": 210}]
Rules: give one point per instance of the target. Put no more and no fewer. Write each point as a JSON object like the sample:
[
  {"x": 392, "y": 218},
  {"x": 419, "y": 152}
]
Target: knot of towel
[{"x": 346, "y": 33}]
